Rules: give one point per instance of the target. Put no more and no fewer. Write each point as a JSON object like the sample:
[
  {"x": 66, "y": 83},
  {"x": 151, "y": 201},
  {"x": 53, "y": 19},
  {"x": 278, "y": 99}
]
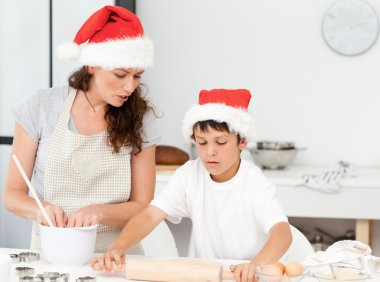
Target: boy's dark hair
[{"x": 219, "y": 126}]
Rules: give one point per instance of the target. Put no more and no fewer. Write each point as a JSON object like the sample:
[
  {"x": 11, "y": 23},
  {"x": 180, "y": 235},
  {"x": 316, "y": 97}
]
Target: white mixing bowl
[{"x": 68, "y": 246}]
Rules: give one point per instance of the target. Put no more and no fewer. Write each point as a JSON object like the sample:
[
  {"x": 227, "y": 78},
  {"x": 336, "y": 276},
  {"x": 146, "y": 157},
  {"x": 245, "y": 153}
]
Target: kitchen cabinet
[{"x": 358, "y": 198}]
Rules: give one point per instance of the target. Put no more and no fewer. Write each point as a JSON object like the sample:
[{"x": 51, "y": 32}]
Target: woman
[{"x": 89, "y": 147}]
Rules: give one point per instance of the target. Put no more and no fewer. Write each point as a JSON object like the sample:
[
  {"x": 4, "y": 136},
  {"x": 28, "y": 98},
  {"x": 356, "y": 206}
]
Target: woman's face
[{"x": 114, "y": 86}]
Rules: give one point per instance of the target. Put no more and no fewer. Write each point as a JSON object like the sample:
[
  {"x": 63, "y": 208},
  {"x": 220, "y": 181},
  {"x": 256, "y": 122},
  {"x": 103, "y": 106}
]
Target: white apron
[{"x": 82, "y": 170}]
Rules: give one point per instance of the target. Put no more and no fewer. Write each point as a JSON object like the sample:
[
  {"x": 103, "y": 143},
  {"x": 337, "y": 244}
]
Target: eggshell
[
  {"x": 293, "y": 268},
  {"x": 280, "y": 266},
  {"x": 272, "y": 270},
  {"x": 271, "y": 273}
]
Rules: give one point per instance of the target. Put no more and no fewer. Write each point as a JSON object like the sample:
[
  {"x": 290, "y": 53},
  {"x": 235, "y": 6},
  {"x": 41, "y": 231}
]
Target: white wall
[
  {"x": 302, "y": 90},
  {"x": 24, "y": 53},
  {"x": 68, "y": 17},
  {"x": 24, "y": 67}
]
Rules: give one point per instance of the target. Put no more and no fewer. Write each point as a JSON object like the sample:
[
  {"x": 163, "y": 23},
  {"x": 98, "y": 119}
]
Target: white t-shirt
[
  {"x": 38, "y": 114},
  {"x": 231, "y": 220}
]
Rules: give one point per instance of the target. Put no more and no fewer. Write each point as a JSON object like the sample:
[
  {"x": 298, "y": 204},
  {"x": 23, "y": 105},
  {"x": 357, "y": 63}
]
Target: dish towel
[
  {"x": 347, "y": 253},
  {"x": 328, "y": 181}
]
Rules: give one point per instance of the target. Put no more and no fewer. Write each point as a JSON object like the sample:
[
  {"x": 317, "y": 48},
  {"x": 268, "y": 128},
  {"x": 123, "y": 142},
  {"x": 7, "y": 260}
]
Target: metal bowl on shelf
[
  {"x": 273, "y": 154},
  {"x": 274, "y": 145}
]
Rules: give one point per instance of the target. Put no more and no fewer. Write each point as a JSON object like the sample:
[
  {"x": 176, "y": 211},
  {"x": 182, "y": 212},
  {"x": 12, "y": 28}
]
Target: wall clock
[{"x": 350, "y": 27}]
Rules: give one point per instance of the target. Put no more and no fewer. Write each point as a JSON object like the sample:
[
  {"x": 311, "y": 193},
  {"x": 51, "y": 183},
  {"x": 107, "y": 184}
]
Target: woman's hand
[
  {"x": 244, "y": 272},
  {"x": 56, "y": 214},
  {"x": 112, "y": 261},
  {"x": 86, "y": 216}
]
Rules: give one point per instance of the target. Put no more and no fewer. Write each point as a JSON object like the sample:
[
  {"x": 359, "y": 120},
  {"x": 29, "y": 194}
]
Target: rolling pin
[{"x": 175, "y": 270}]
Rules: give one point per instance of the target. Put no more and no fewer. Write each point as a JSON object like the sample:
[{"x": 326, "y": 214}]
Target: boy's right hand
[
  {"x": 244, "y": 272},
  {"x": 56, "y": 214},
  {"x": 112, "y": 261}
]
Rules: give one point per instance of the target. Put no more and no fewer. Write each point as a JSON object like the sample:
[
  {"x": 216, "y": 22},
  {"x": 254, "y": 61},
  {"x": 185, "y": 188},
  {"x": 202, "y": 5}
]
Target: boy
[{"x": 233, "y": 208}]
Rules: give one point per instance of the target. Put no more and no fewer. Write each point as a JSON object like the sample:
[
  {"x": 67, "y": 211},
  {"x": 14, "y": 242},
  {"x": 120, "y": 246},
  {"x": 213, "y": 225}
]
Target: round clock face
[{"x": 350, "y": 27}]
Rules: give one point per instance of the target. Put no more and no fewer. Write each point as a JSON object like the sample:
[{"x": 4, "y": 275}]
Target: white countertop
[
  {"x": 367, "y": 177},
  {"x": 76, "y": 272},
  {"x": 43, "y": 265}
]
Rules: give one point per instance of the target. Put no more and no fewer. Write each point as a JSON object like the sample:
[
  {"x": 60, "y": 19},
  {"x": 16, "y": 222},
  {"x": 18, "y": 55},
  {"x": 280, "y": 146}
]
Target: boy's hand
[
  {"x": 112, "y": 261},
  {"x": 244, "y": 272}
]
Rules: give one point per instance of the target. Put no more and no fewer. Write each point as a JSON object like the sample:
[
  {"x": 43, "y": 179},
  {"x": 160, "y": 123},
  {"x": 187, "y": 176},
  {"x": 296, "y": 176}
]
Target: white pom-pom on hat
[{"x": 68, "y": 51}]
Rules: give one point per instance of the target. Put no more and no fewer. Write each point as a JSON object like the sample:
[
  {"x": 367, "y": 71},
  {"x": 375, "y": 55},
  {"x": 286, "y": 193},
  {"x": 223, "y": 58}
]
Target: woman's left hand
[
  {"x": 244, "y": 272},
  {"x": 86, "y": 216}
]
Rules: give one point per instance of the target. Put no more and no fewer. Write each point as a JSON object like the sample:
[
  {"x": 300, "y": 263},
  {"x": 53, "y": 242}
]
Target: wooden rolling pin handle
[
  {"x": 173, "y": 271},
  {"x": 228, "y": 274}
]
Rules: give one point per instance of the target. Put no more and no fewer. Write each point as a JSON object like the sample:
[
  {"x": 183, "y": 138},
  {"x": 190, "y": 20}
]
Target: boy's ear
[{"x": 242, "y": 144}]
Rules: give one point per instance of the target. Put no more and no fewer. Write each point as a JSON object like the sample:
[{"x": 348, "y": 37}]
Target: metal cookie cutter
[
  {"x": 29, "y": 256},
  {"x": 54, "y": 276},
  {"x": 58, "y": 279},
  {"x": 24, "y": 257},
  {"x": 86, "y": 279},
  {"x": 15, "y": 258},
  {"x": 22, "y": 271},
  {"x": 31, "y": 279},
  {"x": 49, "y": 274}
]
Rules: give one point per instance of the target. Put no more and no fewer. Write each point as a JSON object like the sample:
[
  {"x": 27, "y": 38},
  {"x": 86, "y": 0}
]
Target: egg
[
  {"x": 293, "y": 268},
  {"x": 280, "y": 266},
  {"x": 271, "y": 270}
]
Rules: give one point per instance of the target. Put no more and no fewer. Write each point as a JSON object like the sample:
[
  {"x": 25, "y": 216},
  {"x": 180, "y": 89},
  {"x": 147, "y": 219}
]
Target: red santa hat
[
  {"x": 112, "y": 37},
  {"x": 222, "y": 105}
]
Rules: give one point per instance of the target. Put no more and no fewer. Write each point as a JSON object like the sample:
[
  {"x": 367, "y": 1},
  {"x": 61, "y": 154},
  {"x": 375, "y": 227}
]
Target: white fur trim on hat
[
  {"x": 126, "y": 53},
  {"x": 68, "y": 50},
  {"x": 238, "y": 120}
]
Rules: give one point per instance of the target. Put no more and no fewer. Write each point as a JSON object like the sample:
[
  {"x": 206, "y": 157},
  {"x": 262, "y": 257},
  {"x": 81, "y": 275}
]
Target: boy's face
[{"x": 219, "y": 152}]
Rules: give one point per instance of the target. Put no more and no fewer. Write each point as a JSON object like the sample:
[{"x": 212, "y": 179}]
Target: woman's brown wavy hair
[{"x": 125, "y": 122}]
